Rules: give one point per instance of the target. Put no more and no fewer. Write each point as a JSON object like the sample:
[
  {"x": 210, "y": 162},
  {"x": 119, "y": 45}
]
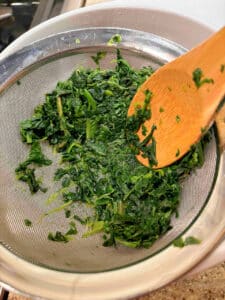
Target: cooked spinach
[
  {"x": 115, "y": 39},
  {"x": 198, "y": 80},
  {"x": 178, "y": 118},
  {"x": 27, "y": 222},
  {"x": 147, "y": 147},
  {"x": 85, "y": 120},
  {"x": 58, "y": 237},
  {"x": 177, "y": 153},
  {"x": 179, "y": 242},
  {"x": 65, "y": 238},
  {"x": 190, "y": 240},
  {"x": 100, "y": 55},
  {"x": 26, "y": 174}
]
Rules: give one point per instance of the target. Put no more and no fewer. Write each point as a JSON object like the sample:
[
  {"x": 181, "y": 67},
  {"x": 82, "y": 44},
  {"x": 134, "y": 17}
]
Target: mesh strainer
[{"x": 28, "y": 261}]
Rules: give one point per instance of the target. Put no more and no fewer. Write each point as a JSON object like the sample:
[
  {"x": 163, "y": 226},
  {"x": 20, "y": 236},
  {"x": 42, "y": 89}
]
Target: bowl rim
[{"x": 10, "y": 73}]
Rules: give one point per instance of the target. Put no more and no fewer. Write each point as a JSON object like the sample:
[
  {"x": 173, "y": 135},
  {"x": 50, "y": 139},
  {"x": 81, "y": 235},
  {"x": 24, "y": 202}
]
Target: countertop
[{"x": 208, "y": 285}]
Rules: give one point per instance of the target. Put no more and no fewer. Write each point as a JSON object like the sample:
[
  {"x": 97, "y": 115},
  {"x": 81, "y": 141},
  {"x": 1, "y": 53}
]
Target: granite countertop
[{"x": 208, "y": 285}]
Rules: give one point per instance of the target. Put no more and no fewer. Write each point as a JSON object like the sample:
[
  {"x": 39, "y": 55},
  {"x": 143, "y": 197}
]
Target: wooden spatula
[{"x": 186, "y": 95}]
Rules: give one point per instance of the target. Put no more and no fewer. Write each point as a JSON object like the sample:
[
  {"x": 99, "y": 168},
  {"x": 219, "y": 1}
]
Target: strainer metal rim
[
  {"x": 11, "y": 69},
  {"x": 16, "y": 64}
]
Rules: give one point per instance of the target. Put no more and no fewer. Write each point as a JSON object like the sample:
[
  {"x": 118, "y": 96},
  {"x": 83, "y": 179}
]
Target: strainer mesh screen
[{"x": 17, "y": 204}]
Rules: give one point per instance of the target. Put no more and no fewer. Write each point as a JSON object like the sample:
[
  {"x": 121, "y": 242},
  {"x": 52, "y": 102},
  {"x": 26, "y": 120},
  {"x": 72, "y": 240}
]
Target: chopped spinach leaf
[
  {"x": 64, "y": 238},
  {"x": 79, "y": 219},
  {"x": 115, "y": 39},
  {"x": 67, "y": 213},
  {"x": 203, "y": 130},
  {"x": 178, "y": 119},
  {"x": 58, "y": 237},
  {"x": 222, "y": 68},
  {"x": 147, "y": 147},
  {"x": 100, "y": 55},
  {"x": 26, "y": 174},
  {"x": 36, "y": 156},
  {"x": 143, "y": 129},
  {"x": 84, "y": 119},
  {"x": 27, "y": 222},
  {"x": 190, "y": 240},
  {"x": 66, "y": 181},
  {"x": 72, "y": 230},
  {"x": 178, "y": 152},
  {"x": 198, "y": 80},
  {"x": 179, "y": 242}
]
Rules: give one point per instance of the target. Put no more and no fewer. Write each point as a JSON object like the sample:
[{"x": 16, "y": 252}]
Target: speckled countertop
[{"x": 208, "y": 285}]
